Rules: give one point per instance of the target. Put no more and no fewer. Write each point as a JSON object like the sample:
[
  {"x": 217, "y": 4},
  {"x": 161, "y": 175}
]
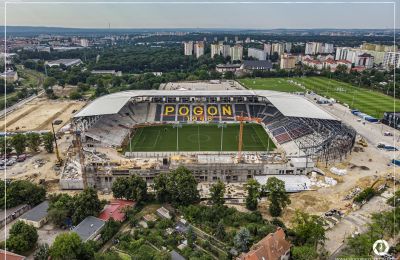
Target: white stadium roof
[{"x": 288, "y": 104}]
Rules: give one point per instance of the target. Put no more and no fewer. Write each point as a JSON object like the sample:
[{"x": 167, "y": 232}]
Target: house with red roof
[
  {"x": 272, "y": 247},
  {"x": 116, "y": 210},
  {"x": 5, "y": 255}
]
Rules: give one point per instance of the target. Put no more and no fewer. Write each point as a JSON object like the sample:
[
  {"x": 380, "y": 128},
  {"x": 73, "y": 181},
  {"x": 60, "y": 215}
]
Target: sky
[{"x": 167, "y": 14}]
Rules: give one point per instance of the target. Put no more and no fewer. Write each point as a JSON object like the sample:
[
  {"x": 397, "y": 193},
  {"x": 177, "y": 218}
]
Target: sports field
[
  {"x": 210, "y": 137},
  {"x": 367, "y": 101}
]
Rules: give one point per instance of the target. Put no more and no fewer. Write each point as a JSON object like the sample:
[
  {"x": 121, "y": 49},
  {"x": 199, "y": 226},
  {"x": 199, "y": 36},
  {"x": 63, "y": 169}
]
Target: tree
[
  {"x": 33, "y": 141},
  {"x": 22, "y": 191},
  {"x": 191, "y": 237},
  {"x": 110, "y": 229},
  {"x": 42, "y": 253},
  {"x": 242, "y": 239},
  {"x": 217, "y": 191},
  {"x": 220, "y": 231},
  {"x": 304, "y": 253},
  {"x": 5, "y": 145},
  {"x": 86, "y": 203},
  {"x": 131, "y": 188},
  {"x": 253, "y": 193},
  {"x": 182, "y": 187},
  {"x": 69, "y": 246},
  {"x": 160, "y": 187},
  {"x": 19, "y": 143},
  {"x": 277, "y": 195},
  {"x": 48, "y": 140},
  {"x": 49, "y": 82},
  {"x": 74, "y": 95},
  {"x": 308, "y": 229},
  {"x": 23, "y": 237},
  {"x": 61, "y": 207},
  {"x": 229, "y": 75}
]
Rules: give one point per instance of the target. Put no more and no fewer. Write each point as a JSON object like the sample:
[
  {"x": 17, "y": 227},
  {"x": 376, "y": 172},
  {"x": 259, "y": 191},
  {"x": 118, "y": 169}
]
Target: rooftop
[
  {"x": 89, "y": 228},
  {"x": 115, "y": 210},
  {"x": 255, "y": 64},
  {"x": 288, "y": 104},
  {"x": 271, "y": 247},
  {"x": 37, "y": 213},
  {"x": 5, "y": 255}
]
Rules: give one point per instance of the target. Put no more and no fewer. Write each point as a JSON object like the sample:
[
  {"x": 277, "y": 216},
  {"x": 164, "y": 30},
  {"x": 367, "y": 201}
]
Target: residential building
[
  {"x": 313, "y": 48},
  {"x": 236, "y": 52},
  {"x": 310, "y": 48},
  {"x": 267, "y": 48},
  {"x": 288, "y": 47},
  {"x": 391, "y": 60},
  {"x": 116, "y": 210},
  {"x": 84, "y": 42},
  {"x": 36, "y": 216},
  {"x": 252, "y": 65},
  {"x": 6, "y": 255},
  {"x": 316, "y": 64},
  {"x": 328, "y": 48},
  {"x": 222, "y": 68},
  {"x": 220, "y": 49},
  {"x": 257, "y": 54},
  {"x": 188, "y": 48},
  {"x": 199, "y": 49},
  {"x": 89, "y": 228},
  {"x": 288, "y": 61},
  {"x": 365, "y": 60},
  {"x": 278, "y": 48},
  {"x": 272, "y": 247},
  {"x": 344, "y": 63},
  {"x": 349, "y": 54},
  {"x": 378, "y": 47}
]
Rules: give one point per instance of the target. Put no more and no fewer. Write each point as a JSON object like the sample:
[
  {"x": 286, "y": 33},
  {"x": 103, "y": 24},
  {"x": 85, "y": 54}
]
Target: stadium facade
[{"x": 302, "y": 132}]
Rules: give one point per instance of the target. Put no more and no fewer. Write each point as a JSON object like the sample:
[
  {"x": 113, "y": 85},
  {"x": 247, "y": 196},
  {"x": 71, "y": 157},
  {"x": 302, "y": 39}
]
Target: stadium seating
[{"x": 112, "y": 130}]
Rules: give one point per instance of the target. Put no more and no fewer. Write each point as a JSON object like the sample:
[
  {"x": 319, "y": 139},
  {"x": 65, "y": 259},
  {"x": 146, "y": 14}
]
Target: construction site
[{"x": 315, "y": 186}]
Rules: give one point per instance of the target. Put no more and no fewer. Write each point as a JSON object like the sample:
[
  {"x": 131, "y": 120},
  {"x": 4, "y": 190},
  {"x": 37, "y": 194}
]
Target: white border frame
[{"x": 189, "y": 3}]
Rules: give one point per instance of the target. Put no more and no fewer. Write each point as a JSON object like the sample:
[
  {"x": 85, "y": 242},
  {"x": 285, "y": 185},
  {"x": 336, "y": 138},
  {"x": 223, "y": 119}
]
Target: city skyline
[{"x": 219, "y": 15}]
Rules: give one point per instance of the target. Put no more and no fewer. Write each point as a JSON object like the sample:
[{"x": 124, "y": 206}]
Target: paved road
[{"x": 356, "y": 221}]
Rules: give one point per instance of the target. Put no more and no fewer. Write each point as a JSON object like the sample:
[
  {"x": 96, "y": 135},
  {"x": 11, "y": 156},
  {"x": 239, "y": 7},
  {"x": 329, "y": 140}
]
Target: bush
[{"x": 366, "y": 195}]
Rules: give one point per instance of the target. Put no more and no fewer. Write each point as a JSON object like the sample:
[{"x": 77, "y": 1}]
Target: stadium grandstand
[{"x": 112, "y": 120}]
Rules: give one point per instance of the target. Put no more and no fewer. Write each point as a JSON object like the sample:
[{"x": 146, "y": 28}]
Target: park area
[
  {"x": 204, "y": 137},
  {"x": 367, "y": 101}
]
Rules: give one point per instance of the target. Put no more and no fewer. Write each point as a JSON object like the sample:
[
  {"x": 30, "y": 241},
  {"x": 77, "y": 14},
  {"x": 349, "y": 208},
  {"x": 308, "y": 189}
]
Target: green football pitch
[
  {"x": 367, "y": 101},
  {"x": 209, "y": 137}
]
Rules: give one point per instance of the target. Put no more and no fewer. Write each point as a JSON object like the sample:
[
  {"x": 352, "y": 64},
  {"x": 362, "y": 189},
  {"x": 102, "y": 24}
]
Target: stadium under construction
[{"x": 228, "y": 135}]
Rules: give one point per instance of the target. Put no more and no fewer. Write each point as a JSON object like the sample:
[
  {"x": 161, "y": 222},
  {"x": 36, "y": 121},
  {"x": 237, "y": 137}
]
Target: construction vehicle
[{"x": 362, "y": 142}]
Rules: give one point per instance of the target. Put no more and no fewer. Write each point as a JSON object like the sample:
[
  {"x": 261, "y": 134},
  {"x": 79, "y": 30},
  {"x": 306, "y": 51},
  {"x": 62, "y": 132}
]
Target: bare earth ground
[{"x": 39, "y": 113}]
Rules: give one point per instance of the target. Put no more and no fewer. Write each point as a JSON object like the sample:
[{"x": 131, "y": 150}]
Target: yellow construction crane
[{"x": 59, "y": 160}]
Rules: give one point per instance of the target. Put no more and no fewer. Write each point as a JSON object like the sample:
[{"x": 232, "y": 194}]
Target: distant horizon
[{"x": 199, "y": 28}]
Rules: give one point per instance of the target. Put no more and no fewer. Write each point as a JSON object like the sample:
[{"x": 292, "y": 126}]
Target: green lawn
[
  {"x": 367, "y": 101},
  {"x": 277, "y": 84},
  {"x": 200, "y": 138}
]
